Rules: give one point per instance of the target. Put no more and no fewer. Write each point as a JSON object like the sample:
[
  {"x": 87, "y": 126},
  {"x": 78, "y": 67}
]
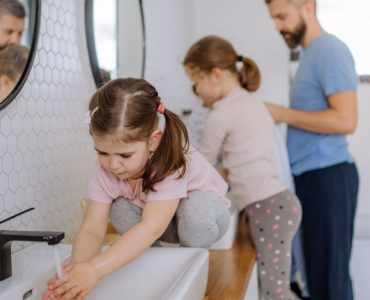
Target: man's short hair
[{"x": 12, "y": 7}]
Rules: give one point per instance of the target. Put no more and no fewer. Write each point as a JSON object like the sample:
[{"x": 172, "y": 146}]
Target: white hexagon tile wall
[{"x": 45, "y": 149}]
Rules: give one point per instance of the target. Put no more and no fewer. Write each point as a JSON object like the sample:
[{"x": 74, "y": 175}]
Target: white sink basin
[{"x": 158, "y": 274}]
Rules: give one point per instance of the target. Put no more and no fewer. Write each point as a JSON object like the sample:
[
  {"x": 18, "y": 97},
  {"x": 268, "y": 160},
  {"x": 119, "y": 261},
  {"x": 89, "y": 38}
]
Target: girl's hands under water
[{"x": 78, "y": 280}]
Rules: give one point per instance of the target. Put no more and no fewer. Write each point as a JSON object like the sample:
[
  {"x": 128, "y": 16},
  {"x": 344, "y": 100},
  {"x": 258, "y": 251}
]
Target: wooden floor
[{"x": 230, "y": 270}]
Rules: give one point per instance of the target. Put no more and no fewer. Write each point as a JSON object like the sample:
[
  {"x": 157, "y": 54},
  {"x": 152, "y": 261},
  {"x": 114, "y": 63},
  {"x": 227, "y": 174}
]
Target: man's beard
[{"x": 294, "y": 38}]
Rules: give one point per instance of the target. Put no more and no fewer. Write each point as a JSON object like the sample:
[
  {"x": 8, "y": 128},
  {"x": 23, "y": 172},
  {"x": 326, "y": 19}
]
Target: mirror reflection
[
  {"x": 116, "y": 45},
  {"x": 13, "y": 60},
  {"x": 105, "y": 29},
  {"x": 17, "y": 36}
]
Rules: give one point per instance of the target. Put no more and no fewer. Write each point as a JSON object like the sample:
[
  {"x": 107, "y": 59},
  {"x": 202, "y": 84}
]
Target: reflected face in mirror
[
  {"x": 19, "y": 24},
  {"x": 12, "y": 22}
]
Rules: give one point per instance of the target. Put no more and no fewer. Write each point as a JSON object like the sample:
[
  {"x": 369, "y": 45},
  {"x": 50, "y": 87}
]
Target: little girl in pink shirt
[{"x": 148, "y": 181}]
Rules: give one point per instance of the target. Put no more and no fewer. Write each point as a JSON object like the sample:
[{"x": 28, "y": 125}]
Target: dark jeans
[{"x": 329, "y": 200}]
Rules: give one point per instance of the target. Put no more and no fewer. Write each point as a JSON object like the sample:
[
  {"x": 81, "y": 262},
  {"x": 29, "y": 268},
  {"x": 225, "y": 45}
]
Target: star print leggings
[{"x": 273, "y": 223}]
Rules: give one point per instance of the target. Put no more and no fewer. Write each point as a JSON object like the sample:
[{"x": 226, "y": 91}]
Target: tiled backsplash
[{"x": 45, "y": 149}]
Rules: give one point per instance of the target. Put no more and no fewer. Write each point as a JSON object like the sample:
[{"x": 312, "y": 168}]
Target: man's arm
[{"x": 339, "y": 118}]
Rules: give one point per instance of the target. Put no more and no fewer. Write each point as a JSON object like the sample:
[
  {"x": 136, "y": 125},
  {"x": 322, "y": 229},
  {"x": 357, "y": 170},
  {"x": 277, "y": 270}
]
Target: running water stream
[{"x": 58, "y": 265}]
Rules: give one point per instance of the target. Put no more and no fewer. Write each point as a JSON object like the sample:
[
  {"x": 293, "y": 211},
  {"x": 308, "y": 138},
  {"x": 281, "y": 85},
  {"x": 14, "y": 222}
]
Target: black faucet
[{"x": 6, "y": 238}]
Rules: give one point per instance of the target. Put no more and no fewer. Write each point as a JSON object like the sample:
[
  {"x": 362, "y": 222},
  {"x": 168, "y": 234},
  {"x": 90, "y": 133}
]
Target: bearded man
[
  {"x": 12, "y": 17},
  {"x": 323, "y": 110}
]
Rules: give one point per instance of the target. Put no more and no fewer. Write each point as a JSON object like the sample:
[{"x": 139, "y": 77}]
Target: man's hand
[{"x": 276, "y": 111}]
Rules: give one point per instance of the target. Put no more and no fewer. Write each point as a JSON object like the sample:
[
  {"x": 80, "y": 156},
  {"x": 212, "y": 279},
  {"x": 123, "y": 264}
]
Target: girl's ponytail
[
  {"x": 215, "y": 52},
  {"x": 170, "y": 153},
  {"x": 249, "y": 74}
]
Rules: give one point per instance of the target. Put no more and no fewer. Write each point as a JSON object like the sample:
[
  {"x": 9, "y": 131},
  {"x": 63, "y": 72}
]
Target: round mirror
[
  {"x": 115, "y": 39},
  {"x": 19, "y": 29}
]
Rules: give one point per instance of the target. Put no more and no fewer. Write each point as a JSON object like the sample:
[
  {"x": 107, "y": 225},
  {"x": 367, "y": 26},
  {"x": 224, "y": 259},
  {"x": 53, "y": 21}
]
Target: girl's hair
[
  {"x": 127, "y": 108},
  {"x": 215, "y": 52},
  {"x": 13, "y": 60}
]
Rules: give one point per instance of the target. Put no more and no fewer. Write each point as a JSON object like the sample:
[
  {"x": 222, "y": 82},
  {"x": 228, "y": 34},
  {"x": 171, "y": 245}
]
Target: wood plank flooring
[{"x": 230, "y": 270}]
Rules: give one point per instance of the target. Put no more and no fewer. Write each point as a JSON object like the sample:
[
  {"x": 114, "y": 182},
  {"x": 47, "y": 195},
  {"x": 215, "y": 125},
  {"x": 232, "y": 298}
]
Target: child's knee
[
  {"x": 124, "y": 215},
  {"x": 203, "y": 218},
  {"x": 197, "y": 234},
  {"x": 201, "y": 204}
]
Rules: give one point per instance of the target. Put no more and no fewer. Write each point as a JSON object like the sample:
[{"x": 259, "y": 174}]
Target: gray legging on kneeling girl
[{"x": 201, "y": 219}]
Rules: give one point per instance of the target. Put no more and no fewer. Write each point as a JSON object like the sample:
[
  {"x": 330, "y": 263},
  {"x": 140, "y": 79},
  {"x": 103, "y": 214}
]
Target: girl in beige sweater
[{"x": 240, "y": 128}]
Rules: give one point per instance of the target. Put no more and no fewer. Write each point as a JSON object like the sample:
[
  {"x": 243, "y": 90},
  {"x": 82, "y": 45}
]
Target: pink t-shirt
[{"x": 200, "y": 175}]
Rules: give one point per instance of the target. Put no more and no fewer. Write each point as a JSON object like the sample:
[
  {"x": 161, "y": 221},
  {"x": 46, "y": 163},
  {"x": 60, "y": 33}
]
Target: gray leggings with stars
[
  {"x": 273, "y": 223},
  {"x": 201, "y": 219}
]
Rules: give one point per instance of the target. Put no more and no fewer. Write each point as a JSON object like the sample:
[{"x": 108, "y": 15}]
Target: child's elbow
[{"x": 155, "y": 230}]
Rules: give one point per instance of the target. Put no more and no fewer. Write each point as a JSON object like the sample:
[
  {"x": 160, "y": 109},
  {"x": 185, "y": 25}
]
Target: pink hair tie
[
  {"x": 89, "y": 115},
  {"x": 161, "y": 108}
]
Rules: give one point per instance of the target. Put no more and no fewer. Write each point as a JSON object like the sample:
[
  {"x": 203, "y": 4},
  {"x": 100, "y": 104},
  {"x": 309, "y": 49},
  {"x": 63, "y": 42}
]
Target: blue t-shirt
[{"x": 326, "y": 67}]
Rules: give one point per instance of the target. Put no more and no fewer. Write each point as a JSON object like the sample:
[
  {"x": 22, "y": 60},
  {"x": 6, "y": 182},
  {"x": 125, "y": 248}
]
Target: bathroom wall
[
  {"x": 173, "y": 25},
  {"x": 360, "y": 148},
  {"x": 248, "y": 26},
  {"x": 169, "y": 26},
  {"x": 45, "y": 150}
]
